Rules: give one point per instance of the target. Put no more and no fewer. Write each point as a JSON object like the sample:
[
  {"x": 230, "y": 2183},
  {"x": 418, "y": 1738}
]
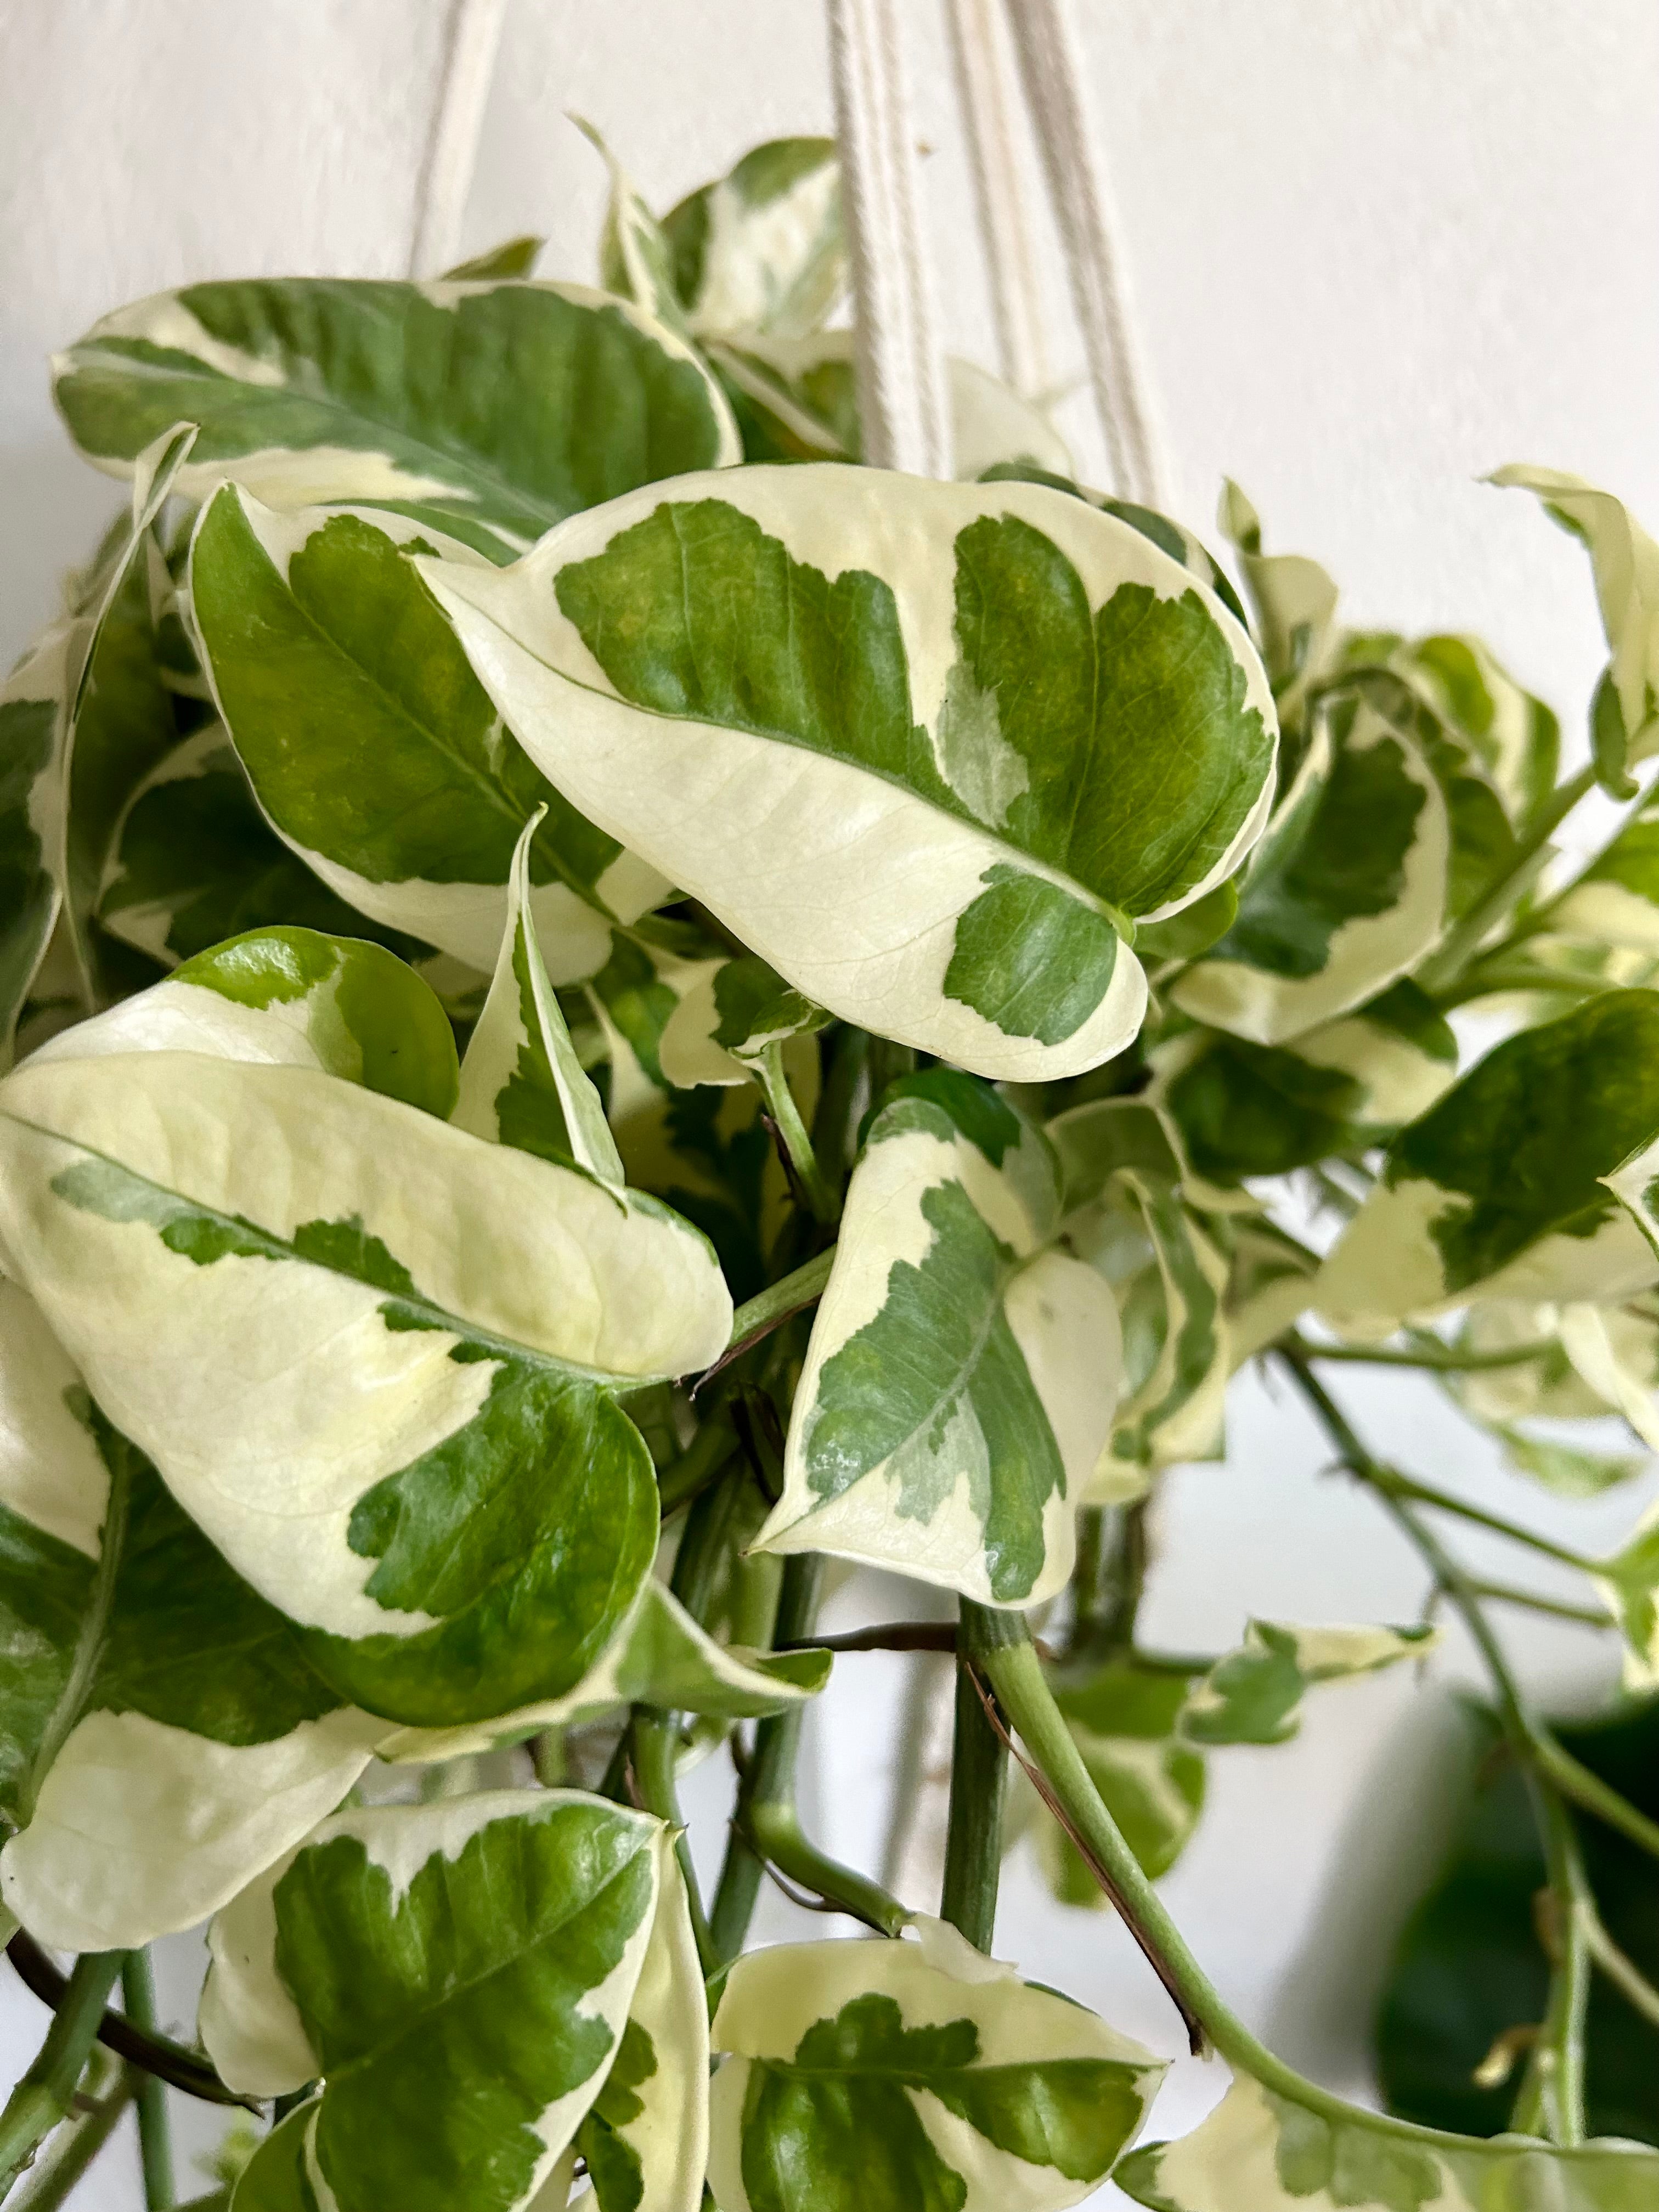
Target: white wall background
[{"x": 1379, "y": 247}]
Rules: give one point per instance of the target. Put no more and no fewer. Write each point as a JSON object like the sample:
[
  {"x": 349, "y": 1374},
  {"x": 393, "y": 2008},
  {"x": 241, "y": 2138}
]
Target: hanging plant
[{"x": 595, "y": 1017}]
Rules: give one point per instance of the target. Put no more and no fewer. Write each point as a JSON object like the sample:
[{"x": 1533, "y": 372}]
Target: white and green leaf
[
  {"x": 1615, "y": 901},
  {"x": 884, "y": 2076},
  {"x": 1515, "y": 737},
  {"x": 162, "y": 1738},
  {"x": 1254, "y": 1694},
  {"x": 1270, "y": 1285},
  {"x": 961, "y": 1373},
  {"x": 1346, "y": 891},
  {"x": 637, "y": 261},
  {"x": 1010, "y": 715},
  {"x": 459, "y": 1974},
  {"x": 491, "y": 410},
  {"x": 375, "y": 752},
  {"x": 521, "y": 1083},
  {"x": 405, "y": 1438},
  {"x": 730, "y": 1018},
  {"x": 1397, "y": 1050},
  {"x": 763, "y": 249},
  {"x": 1501, "y": 1189},
  {"x": 1296, "y": 2148},
  {"x": 1295, "y": 602}
]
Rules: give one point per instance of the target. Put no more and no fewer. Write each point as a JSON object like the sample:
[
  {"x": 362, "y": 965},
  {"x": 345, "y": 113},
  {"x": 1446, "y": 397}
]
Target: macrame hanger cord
[
  {"x": 903, "y": 408},
  {"x": 988, "y": 94},
  {"x": 1045, "y": 43},
  {"x": 457, "y": 113}
]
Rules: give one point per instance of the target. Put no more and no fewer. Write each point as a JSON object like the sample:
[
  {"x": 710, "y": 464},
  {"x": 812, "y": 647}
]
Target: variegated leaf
[
  {"x": 373, "y": 751},
  {"x": 461, "y": 1976},
  {"x": 637, "y": 261},
  {"x": 729, "y": 1019},
  {"x": 194, "y": 861},
  {"x": 408, "y": 1439},
  {"x": 1398, "y": 1050},
  {"x": 1292, "y": 2148},
  {"x": 1626, "y": 563},
  {"x": 1346, "y": 891},
  {"x": 288, "y": 998},
  {"x": 1167, "y": 1278},
  {"x": 1008, "y": 714},
  {"x": 33, "y": 702},
  {"x": 1615, "y": 901},
  {"x": 1515, "y": 737},
  {"x": 1123, "y": 1718},
  {"x": 763, "y": 249},
  {"x": 161, "y": 1737},
  {"x": 796, "y": 399},
  {"x": 1269, "y": 1286},
  {"x": 1254, "y": 1695},
  {"x": 490, "y": 410},
  {"x": 1252, "y": 1109},
  {"x": 961, "y": 1372},
  {"x": 1168, "y": 535},
  {"x": 1295, "y": 603},
  {"x": 891, "y": 2076},
  {"x": 658, "y": 1657},
  {"x": 521, "y": 1083},
  {"x": 513, "y": 257},
  {"x": 1498, "y": 1190}
]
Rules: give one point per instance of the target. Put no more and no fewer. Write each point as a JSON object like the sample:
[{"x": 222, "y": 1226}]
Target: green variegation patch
[
  {"x": 1010, "y": 712},
  {"x": 411, "y": 1445},
  {"x": 1254, "y": 1695},
  {"x": 1303, "y": 2151},
  {"x": 730, "y": 1018},
  {"x": 522, "y": 1083},
  {"x": 490, "y": 410},
  {"x": 961, "y": 1373},
  {"x": 885, "y": 2076},
  {"x": 1398, "y": 1050},
  {"x": 763, "y": 249},
  {"x": 1499, "y": 1189},
  {"x": 161, "y": 1737},
  {"x": 373, "y": 749},
  {"x": 460, "y": 1974},
  {"x": 1346, "y": 891},
  {"x": 1626, "y": 563},
  {"x": 194, "y": 861},
  {"x": 1168, "y": 535},
  {"x": 659, "y": 1656}
]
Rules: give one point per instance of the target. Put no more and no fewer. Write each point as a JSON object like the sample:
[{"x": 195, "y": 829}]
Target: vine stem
[
  {"x": 155, "y": 2135},
  {"x": 45, "y": 2094},
  {"x": 159, "y": 2055},
  {"x": 815, "y": 1186},
  {"x": 979, "y": 1783},
  {"x": 1463, "y": 942},
  {"x": 758, "y": 1316},
  {"x": 72, "y": 2149},
  {"x": 1452, "y": 1362}
]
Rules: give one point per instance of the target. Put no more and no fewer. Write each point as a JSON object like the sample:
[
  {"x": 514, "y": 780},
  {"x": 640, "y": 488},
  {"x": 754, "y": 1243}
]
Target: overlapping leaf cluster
[{"x": 529, "y": 876}]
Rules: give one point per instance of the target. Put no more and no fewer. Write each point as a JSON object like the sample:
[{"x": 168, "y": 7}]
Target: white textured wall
[{"x": 1380, "y": 247}]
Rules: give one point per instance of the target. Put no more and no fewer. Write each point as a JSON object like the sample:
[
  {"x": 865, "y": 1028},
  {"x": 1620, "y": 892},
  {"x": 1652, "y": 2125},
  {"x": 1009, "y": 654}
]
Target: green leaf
[
  {"x": 1346, "y": 891},
  {"x": 763, "y": 248},
  {"x": 1563, "y": 1469},
  {"x": 282, "y": 2175},
  {"x": 725, "y": 1024},
  {"x": 522, "y": 1084},
  {"x": 797, "y": 399},
  {"x": 1626, "y": 563},
  {"x": 658, "y": 1657},
  {"x": 161, "y": 1737},
  {"x": 194, "y": 862},
  {"x": 1251, "y": 1110},
  {"x": 1470, "y": 1965},
  {"x": 513, "y": 257},
  {"x": 374, "y": 749},
  {"x": 1254, "y": 1695},
  {"x": 901, "y": 2076},
  {"x": 1499, "y": 1189},
  {"x": 1167, "y": 1279},
  {"x": 404, "y": 1437},
  {"x": 289, "y": 997},
  {"x": 961, "y": 1372},
  {"x": 1302, "y": 2150},
  {"x": 992, "y": 704},
  {"x": 459, "y": 1974},
  {"x": 492, "y": 410},
  {"x": 1122, "y": 1717}
]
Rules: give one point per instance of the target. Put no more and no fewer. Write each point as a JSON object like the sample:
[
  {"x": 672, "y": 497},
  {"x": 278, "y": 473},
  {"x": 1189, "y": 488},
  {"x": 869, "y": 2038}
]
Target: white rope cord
[
  {"x": 903, "y": 403},
  {"x": 984, "y": 69},
  {"x": 1046, "y": 44},
  {"x": 451, "y": 152}
]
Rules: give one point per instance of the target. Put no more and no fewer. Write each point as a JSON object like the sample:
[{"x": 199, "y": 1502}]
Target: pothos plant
[{"x": 605, "y": 1005}]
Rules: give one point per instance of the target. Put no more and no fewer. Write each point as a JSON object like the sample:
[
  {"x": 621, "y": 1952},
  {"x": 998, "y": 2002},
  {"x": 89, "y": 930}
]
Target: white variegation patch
[
  {"x": 51, "y": 1473},
  {"x": 771, "y": 260},
  {"x": 142, "y": 1829}
]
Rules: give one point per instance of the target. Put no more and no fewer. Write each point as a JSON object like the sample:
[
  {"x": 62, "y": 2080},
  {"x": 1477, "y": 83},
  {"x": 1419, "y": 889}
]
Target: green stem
[
  {"x": 758, "y": 1316},
  {"x": 815, "y": 1186},
  {"x": 1410, "y": 1491},
  {"x": 1535, "y": 1601},
  {"x": 54, "y": 2176},
  {"x": 46, "y": 2092},
  {"x": 154, "y": 2134},
  {"x": 90, "y": 1643},
  {"x": 978, "y": 1779},
  {"x": 1551, "y": 2101},
  {"x": 1626, "y": 1976},
  {"x": 1450, "y": 1362},
  {"x": 1491, "y": 977},
  {"x": 703, "y": 1544},
  {"x": 1464, "y": 942},
  {"x": 1590, "y": 1792},
  {"x": 698, "y": 1465},
  {"x": 656, "y": 1743}
]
